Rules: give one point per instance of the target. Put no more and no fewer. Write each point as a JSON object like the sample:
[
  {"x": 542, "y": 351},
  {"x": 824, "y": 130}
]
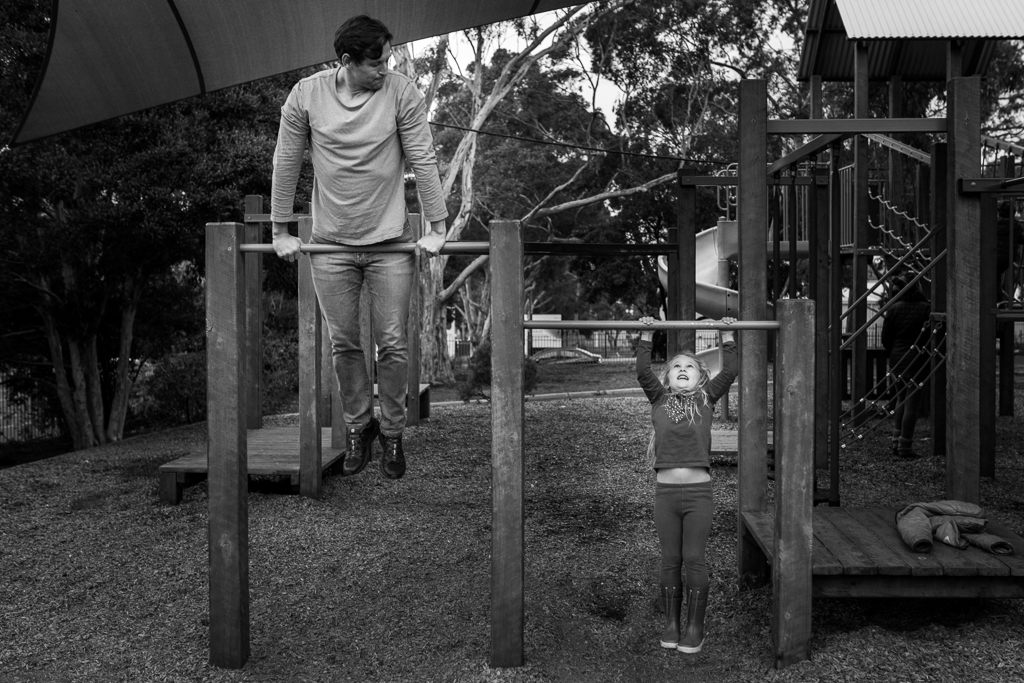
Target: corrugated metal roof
[
  {"x": 887, "y": 19},
  {"x": 828, "y": 50}
]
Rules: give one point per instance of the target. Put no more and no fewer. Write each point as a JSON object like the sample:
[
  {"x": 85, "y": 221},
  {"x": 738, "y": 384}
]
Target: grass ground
[{"x": 389, "y": 581}]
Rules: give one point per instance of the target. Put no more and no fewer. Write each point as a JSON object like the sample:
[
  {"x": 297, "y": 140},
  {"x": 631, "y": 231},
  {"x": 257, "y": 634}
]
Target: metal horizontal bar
[
  {"x": 989, "y": 185},
  {"x": 658, "y": 325},
  {"x": 852, "y": 126},
  {"x": 265, "y": 217},
  {"x": 732, "y": 181},
  {"x": 456, "y": 247},
  {"x": 989, "y": 141},
  {"x": 709, "y": 180},
  {"x": 598, "y": 249},
  {"x": 906, "y": 150},
  {"x": 448, "y": 248}
]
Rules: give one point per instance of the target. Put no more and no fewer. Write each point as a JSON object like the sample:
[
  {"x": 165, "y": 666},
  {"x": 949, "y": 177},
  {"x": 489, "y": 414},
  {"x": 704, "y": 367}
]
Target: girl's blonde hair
[{"x": 697, "y": 394}]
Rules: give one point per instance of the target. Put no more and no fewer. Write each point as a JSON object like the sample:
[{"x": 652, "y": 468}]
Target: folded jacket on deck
[
  {"x": 917, "y": 529},
  {"x": 990, "y": 542}
]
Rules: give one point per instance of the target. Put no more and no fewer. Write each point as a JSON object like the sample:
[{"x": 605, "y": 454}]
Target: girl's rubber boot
[
  {"x": 693, "y": 637},
  {"x": 673, "y": 600}
]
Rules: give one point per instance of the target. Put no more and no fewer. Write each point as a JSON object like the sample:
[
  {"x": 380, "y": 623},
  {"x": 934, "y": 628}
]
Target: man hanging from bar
[{"x": 362, "y": 122}]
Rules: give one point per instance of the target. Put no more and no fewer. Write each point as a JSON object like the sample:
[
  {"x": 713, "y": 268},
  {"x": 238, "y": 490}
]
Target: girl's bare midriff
[{"x": 683, "y": 475}]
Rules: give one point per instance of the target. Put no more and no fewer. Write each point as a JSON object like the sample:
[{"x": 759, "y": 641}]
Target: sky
[{"x": 608, "y": 95}]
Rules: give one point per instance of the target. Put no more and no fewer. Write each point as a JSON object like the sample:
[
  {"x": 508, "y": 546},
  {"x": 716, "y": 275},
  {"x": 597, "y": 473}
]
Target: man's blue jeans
[{"x": 338, "y": 279}]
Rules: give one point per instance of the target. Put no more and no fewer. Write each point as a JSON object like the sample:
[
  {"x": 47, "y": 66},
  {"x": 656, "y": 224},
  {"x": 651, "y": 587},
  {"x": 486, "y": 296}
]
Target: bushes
[{"x": 473, "y": 381}]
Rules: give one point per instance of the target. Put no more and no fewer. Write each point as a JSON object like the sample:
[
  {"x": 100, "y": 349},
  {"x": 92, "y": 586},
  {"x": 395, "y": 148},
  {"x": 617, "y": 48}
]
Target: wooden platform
[
  {"x": 271, "y": 452},
  {"x": 859, "y": 554}
]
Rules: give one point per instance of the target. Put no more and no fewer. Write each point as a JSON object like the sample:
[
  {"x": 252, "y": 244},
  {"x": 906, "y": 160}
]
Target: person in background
[
  {"x": 905, "y": 332},
  {"x": 362, "y": 122},
  {"x": 682, "y": 408}
]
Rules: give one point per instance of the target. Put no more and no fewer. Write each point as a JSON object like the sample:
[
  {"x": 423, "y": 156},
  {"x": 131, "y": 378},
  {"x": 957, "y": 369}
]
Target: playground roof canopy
[
  {"x": 107, "y": 58},
  {"x": 906, "y": 38}
]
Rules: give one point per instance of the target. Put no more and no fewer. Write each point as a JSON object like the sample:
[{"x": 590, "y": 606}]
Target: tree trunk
[
  {"x": 79, "y": 400},
  {"x": 94, "y": 389},
  {"x": 436, "y": 364},
  {"x": 79, "y": 439},
  {"x": 122, "y": 378}
]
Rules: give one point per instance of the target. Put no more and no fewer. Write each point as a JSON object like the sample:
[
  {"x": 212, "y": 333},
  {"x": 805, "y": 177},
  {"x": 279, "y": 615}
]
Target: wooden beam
[
  {"x": 835, "y": 341},
  {"x": 686, "y": 241},
  {"x": 854, "y": 126},
  {"x": 752, "y": 215},
  {"x": 954, "y": 59},
  {"x": 817, "y": 108},
  {"x": 988, "y": 283},
  {"x": 507, "y": 569},
  {"x": 965, "y": 309},
  {"x": 227, "y": 478},
  {"x": 861, "y": 237},
  {"x": 819, "y": 260},
  {"x": 794, "y": 482},
  {"x": 309, "y": 315},
  {"x": 813, "y": 147},
  {"x": 254, "y": 319},
  {"x": 938, "y": 208},
  {"x": 674, "y": 294}
]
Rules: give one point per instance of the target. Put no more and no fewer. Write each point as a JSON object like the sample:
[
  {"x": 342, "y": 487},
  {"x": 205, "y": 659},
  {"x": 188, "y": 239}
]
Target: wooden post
[
  {"x": 1004, "y": 329},
  {"x": 859, "y": 349},
  {"x": 328, "y": 380},
  {"x": 254, "y": 318},
  {"x": 752, "y": 213},
  {"x": 836, "y": 387},
  {"x": 938, "y": 208},
  {"x": 819, "y": 244},
  {"x": 507, "y": 620},
  {"x": 987, "y": 282},
  {"x": 674, "y": 307},
  {"x": 794, "y": 484},
  {"x": 964, "y": 318},
  {"x": 413, "y": 330},
  {"x": 310, "y": 456},
  {"x": 686, "y": 236},
  {"x": 227, "y": 457},
  {"x": 815, "y": 100}
]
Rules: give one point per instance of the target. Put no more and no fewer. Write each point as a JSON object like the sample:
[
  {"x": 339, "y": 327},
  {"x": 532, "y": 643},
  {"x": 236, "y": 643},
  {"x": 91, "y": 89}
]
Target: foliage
[
  {"x": 476, "y": 379},
  {"x": 103, "y": 230}
]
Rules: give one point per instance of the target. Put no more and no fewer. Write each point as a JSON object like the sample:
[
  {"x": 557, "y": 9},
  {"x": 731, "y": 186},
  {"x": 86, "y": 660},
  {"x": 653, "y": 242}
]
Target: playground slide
[{"x": 714, "y": 247}]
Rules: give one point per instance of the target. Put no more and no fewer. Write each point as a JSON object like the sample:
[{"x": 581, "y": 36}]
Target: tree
[
  {"x": 481, "y": 91},
  {"x": 102, "y": 230}
]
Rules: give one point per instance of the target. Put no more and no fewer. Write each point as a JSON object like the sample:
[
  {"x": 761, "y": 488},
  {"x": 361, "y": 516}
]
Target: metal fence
[{"x": 22, "y": 420}]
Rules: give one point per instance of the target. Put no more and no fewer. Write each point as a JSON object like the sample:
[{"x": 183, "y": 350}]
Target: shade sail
[{"x": 108, "y": 58}]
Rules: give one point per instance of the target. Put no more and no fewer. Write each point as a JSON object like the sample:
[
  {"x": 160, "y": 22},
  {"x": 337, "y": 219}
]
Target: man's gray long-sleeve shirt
[{"x": 358, "y": 154}]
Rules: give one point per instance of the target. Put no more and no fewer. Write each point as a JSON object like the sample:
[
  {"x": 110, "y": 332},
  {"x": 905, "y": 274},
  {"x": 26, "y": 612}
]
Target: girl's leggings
[{"x": 682, "y": 517}]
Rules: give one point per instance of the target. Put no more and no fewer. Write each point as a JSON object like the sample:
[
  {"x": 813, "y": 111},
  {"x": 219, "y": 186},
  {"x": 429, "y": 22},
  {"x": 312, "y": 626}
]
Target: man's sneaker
[
  {"x": 360, "y": 447},
  {"x": 392, "y": 463}
]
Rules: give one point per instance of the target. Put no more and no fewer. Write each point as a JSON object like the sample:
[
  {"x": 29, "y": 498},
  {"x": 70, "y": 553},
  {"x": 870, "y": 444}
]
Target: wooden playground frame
[{"x": 807, "y": 552}]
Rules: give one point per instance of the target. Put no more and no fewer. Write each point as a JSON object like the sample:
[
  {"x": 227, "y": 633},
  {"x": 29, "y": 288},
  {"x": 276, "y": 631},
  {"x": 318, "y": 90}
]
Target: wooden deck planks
[
  {"x": 846, "y": 550},
  {"x": 921, "y": 564},
  {"x": 877, "y": 551},
  {"x": 864, "y": 542},
  {"x": 272, "y": 451},
  {"x": 1015, "y": 562}
]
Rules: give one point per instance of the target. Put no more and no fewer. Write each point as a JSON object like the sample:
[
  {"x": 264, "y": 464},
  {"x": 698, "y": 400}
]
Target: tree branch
[{"x": 575, "y": 204}]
